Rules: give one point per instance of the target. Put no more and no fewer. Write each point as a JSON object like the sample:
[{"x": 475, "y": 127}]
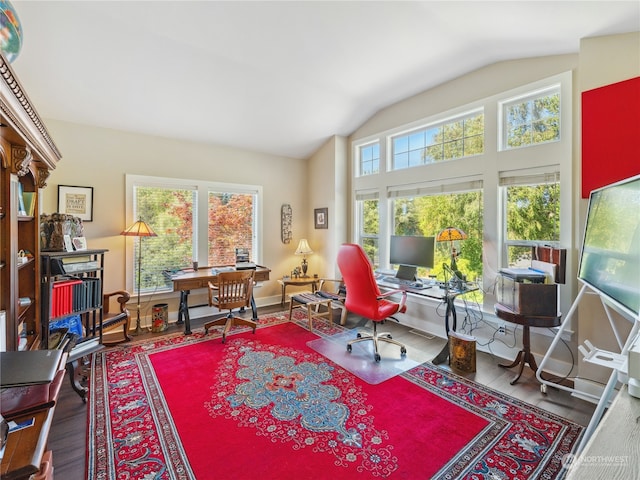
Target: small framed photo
[
  {"x": 321, "y": 217},
  {"x": 76, "y": 201},
  {"x": 79, "y": 243},
  {"x": 68, "y": 246}
]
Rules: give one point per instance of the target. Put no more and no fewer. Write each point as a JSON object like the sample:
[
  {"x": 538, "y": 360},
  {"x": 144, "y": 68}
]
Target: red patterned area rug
[{"x": 265, "y": 405}]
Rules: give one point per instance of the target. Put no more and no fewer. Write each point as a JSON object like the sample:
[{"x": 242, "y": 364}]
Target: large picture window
[
  {"x": 194, "y": 220},
  {"x": 531, "y": 213},
  {"x": 427, "y": 214}
]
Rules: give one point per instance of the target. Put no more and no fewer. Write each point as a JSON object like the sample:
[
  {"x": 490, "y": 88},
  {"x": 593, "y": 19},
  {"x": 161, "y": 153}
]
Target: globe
[{"x": 10, "y": 31}]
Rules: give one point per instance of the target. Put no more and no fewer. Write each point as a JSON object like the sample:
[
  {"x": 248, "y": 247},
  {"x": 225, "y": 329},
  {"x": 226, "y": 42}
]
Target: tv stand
[{"x": 616, "y": 362}]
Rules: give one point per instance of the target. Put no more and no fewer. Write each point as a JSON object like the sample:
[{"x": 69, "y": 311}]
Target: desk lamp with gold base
[{"x": 304, "y": 249}]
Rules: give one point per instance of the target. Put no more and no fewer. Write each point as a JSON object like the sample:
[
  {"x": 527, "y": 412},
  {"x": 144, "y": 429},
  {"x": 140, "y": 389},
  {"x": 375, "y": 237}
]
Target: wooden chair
[
  {"x": 113, "y": 320},
  {"x": 231, "y": 290}
]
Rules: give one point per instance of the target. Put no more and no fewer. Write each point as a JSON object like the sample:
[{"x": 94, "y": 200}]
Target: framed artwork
[
  {"x": 68, "y": 246},
  {"x": 321, "y": 217},
  {"x": 79, "y": 243},
  {"x": 76, "y": 201}
]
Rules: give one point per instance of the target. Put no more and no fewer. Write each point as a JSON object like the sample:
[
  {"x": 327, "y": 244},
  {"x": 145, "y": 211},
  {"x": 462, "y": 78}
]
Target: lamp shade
[
  {"x": 451, "y": 234},
  {"x": 303, "y": 247},
  {"x": 139, "y": 229}
]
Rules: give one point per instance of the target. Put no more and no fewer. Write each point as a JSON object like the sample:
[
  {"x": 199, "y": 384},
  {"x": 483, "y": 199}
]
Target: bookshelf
[
  {"x": 27, "y": 155},
  {"x": 72, "y": 286}
]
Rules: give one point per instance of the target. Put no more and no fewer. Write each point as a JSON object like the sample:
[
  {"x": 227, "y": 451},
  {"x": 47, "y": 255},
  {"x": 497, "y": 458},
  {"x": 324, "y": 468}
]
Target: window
[
  {"x": 532, "y": 215},
  {"x": 532, "y": 119},
  {"x": 174, "y": 209},
  {"x": 471, "y": 193},
  {"x": 369, "y": 226},
  {"x": 231, "y": 225},
  {"x": 459, "y": 138},
  {"x": 369, "y": 159},
  {"x": 427, "y": 213}
]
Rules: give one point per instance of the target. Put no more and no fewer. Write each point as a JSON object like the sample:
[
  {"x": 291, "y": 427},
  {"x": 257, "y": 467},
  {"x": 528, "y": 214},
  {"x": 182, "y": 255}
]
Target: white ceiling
[{"x": 276, "y": 77}]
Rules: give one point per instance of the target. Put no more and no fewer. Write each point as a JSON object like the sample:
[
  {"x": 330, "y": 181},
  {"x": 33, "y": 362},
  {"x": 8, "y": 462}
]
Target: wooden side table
[
  {"x": 286, "y": 281},
  {"x": 312, "y": 303},
  {"x": 525, "y": 356}
]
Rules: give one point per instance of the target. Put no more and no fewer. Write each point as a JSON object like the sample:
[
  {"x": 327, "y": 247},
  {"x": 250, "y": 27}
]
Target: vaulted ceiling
[{"x": 276, "y": 77}]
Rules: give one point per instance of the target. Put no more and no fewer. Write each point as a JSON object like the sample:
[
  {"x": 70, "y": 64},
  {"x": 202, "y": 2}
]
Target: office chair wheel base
[
  {"x": 403, "y": 352},
  {"x": 377, "y": 357},
  {"x": 349, "y": 348}
]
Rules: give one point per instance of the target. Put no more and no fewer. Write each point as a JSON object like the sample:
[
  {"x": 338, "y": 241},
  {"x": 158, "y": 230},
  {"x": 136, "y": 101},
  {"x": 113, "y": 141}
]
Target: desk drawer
[
  {"x": 193, "y": 284},
  {"x": 261, "y": 276}
]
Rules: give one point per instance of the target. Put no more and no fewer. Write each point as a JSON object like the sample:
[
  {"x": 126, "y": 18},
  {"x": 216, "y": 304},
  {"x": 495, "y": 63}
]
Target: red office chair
[{"x": 364, "y": 297}]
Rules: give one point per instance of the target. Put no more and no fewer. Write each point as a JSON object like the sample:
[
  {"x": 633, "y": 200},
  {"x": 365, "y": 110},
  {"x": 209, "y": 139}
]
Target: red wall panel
[{"x": 610, "y": 134}]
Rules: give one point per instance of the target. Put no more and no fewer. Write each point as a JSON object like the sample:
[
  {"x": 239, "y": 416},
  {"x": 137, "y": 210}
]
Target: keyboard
[{"x": 405, "y": 283}]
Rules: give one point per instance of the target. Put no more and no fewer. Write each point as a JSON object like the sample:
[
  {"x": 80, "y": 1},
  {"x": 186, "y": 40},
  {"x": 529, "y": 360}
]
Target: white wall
[
  {"x": 328, "y": 187},
  {"x": 100, "y": 158}
]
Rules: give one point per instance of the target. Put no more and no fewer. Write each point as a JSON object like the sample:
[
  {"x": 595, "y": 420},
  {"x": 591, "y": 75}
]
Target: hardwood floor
[{"x": 69, "y": 430}]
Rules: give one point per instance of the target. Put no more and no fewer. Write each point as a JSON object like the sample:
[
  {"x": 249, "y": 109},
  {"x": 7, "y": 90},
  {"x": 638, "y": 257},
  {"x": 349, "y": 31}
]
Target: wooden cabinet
[{"x": 27, "y": 154}]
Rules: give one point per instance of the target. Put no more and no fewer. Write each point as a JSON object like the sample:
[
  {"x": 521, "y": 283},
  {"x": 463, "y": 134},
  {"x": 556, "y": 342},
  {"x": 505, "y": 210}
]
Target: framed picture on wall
[
  {"x": 76, "y": 201},
  {"x": 321, "y": 217}
]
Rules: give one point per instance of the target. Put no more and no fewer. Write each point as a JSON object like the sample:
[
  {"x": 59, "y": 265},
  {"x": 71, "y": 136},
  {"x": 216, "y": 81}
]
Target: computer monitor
[{"x": 411, "y": 252}]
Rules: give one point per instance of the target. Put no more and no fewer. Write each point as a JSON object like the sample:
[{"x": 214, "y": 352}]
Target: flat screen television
[
  {"x": 610, "y": 257},
  {"x": 410, "y": 252}
]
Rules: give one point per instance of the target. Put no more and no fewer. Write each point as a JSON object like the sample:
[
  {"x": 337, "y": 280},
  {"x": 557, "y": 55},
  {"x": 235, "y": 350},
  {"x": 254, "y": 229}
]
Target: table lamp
[
  {"x": 451, "y": 234},
  {"x": 304, "y": 249},
  {"x": 139, "y": 229}
]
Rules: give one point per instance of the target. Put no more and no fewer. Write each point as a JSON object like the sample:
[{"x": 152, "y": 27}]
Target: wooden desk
[
  {"x": 25, "y": 448},
  {"x": 286, "y": 281},
  {"x": 187, "y": 281},
  {"x": 613, "y": 449}
]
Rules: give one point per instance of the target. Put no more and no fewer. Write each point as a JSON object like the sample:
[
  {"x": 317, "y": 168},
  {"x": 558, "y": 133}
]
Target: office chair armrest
[
  {"x": 212, "y": 299},
  {"x": 387, "y": 293},
  {"x": 403, "y": 300}
]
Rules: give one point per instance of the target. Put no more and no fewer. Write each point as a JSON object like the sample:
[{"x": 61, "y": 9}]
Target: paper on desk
[
  {"x": 549, "y": 269},
  {"x": 14, "y": 427}
]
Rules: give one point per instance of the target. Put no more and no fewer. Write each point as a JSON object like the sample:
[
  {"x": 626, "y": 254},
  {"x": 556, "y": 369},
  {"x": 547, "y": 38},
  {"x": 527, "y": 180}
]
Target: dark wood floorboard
[{"x": 68, "y": 434}]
